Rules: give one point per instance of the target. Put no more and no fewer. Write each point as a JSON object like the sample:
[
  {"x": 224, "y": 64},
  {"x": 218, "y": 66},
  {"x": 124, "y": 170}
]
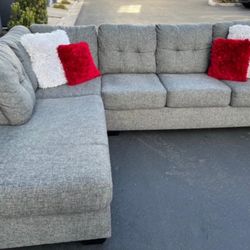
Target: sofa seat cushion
[
  {"x": 133, "y": 91},
  {"x": 195, "y": 90},
  {"x": 240, "y": 93},
  {"x": 92, "y": 87},
  {"x": 57, "y": 163}
]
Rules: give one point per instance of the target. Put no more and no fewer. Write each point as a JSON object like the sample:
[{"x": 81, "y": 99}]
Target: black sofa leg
[
  {"x": 113, "y": 133},
  {"x": 93, "y": 242}
]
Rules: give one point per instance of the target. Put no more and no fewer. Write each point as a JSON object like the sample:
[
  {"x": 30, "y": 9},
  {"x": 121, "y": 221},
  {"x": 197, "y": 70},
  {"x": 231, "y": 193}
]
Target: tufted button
[
  {"x": 120, "y": 50},
  {"x": 138, "y": 51}
]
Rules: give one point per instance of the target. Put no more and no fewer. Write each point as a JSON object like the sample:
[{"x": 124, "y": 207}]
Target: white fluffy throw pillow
[
  {"x": 240, "y": 31},
  {"x": 42, "y": 48}
]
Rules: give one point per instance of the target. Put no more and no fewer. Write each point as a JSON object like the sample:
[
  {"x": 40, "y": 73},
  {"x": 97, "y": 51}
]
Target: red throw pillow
[
  {"x": 229, "y": 59},
  {"x": 78, "y": 63}
]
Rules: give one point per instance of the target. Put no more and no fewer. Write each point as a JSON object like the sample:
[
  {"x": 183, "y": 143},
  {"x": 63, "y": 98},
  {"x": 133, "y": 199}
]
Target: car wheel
[{"x": 247, "y": 5}]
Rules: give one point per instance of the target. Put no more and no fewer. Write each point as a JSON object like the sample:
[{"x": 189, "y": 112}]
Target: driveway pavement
[{"x": 156, "y": 11}]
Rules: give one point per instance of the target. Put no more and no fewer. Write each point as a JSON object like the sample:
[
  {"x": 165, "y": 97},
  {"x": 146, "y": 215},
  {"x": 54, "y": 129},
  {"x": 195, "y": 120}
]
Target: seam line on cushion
[{"x": 119, "y": 32}]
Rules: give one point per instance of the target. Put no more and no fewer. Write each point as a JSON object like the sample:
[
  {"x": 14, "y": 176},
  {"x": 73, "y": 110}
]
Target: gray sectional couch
[{"x": 55, "y": 174}]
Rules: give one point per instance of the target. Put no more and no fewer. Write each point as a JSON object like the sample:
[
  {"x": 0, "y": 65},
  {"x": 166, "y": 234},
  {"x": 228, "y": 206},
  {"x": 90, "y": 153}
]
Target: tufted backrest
[
  {"x": 75, "y": 33},
  {"x": 127, "y": 48},
  {"x": 183, "y": 48},
  {"x": 12, "y": 39},
  {"x": 221, "y": 29},
  {"x": 17, "y": 96}
]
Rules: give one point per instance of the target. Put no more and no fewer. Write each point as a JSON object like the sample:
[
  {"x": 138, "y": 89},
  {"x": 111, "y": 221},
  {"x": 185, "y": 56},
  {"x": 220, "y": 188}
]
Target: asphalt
[
  {"x": 156, "y": 11},
  {"x": 178, "y": 190}
]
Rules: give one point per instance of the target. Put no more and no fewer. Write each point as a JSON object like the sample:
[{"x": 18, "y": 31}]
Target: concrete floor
[
  {"x": 156, "y": 11},
  {"x": 178, "y": 190}
]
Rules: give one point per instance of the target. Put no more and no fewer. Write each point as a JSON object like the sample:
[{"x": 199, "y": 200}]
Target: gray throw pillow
[{"x": 17, "y": 96}]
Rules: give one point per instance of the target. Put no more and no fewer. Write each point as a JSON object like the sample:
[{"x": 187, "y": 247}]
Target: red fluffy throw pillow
[
  {"x": 78, "y": 63},
  {"x": 230, "y": 59}
]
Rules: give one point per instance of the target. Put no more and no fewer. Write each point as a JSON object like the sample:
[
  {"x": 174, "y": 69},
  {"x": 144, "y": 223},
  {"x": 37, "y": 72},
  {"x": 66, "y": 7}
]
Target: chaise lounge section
[{"x": 56, "y": 182}]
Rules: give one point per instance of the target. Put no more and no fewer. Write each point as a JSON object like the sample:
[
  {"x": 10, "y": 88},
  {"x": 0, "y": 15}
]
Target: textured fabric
[
  {"x": 12, "y": 39},
  {"x": 177, "y": 118},
  {"x": 229, "y": 59},
  {"x": 92, "y": 87},
  {"x": 76, "y": 34},
  {"x": 183, "y": 48},
  {"x": 195, "y": 90},
  {"x": 78, "y": 63},
  {"x": 3, "y": 119},
  {"x": 127, "y": 48},
  {"x": 132, "y": 91},
  {"x": 240, "y": 31},
  {"x": 46, "y": 64},
  {"x": 58, "y": 162},
  {"x": 221, "y": 29},
  {"x": 40, "y": 230},
  {"x": 240, "y": 93},
  {"x": 17, "y": 97}
]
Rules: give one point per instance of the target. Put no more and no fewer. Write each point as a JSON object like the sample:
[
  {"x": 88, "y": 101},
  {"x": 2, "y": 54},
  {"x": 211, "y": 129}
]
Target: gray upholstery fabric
[
  {"x": 75, "y": 33},
  {"x": 92, "y": 87},
  {"x": 222, "y": 29},
  {"x": 132, "y": 91},
  {"x": 240, "y": 93},
  {"x": 39, "y": 230},
  {"x": 195, "y": 90},
  {"x": 58, "y": 162},
  {"x": 127, "y": 48},
  {"x": 177, "y": 118},
  {"x": 12, "y": 39},
  {"x": 17, "y": 97},
  {"x": 183, "y": 48},
  {"x": 3, "y": 119}
]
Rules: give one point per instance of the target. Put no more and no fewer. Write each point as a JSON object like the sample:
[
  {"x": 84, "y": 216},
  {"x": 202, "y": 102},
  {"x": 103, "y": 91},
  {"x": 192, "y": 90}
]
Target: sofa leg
[
  {"x": 93, "y": 242},
  {"x": 113, "y": 133}
]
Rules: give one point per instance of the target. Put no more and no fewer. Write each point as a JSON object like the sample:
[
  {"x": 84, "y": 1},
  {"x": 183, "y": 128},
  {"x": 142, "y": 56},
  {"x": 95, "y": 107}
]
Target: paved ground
[
  {"x": 178, "y": 190},
  {"x": 156, "y": 11},
  {"x": 65, "y": 17}
]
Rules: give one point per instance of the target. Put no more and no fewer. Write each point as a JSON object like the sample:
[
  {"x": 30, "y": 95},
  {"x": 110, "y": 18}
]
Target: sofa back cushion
[
  {"x": 183, "y": 48},
  {"x": 127, "y": 48},
  {"x": 12, "y": 39},
  {"x": 76, "y": 34},
  {"x": 221, "y": 30},
  {"x": 17, "y": 96}
]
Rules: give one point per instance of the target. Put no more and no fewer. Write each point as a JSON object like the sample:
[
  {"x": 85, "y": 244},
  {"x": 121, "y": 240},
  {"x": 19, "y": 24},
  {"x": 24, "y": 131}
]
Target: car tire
[{"x": 247, "y": 5}]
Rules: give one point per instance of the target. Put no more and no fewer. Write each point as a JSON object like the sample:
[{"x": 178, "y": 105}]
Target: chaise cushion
[
  {"x": 133, "y": 91},
  {"x": 57, "y": 163},
  {"x": 183, "y": 48},
  {"x": 127, "y": 48},
  {"x": 17, "y": 97},
  {"x": 76, "y": 34},
  {"x": 92, "y": 87},
  {"x": 195, "y": 90},
  {"x": 240, "y": 93},
  {"x": 12, "y": 39},
  {"x": 221, "y": 30}
]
